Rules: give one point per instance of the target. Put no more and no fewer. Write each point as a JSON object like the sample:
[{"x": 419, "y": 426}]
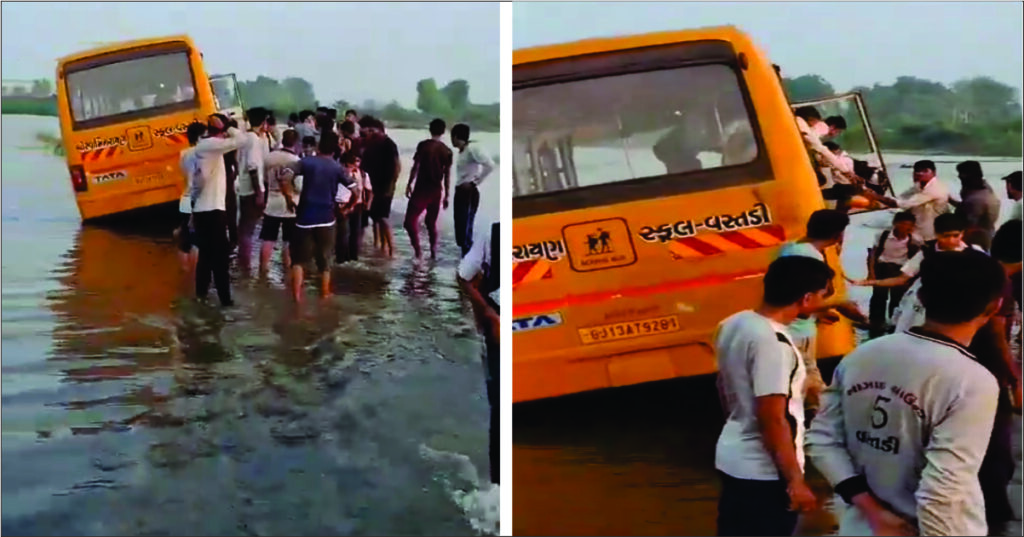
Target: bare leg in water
[{"x": 297, "y": 277}]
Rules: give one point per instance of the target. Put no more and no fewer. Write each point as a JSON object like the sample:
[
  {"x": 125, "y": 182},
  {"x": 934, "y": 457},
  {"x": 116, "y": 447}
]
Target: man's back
[
  {"x": 379, "y": 157},
  {"x": 912, "y": 413},
  {"x": 435, "y": 161},
  {"x": 981, "y": 210},
  {"x": 320, "y": 179}
]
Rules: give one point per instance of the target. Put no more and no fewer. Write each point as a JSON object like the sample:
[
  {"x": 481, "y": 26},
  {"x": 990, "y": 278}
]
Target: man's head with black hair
[
  {"x": 828, "y": 226},
  {"x": 328, "y": 143},
  {"x": 293, "y": 119},
  {"x": 437, "y": 127},
  {"x": 1013, "y": 186},
  {"x": 949, "y": 231},
  {"x": 307, "y": 116},
  {"x": 308, "y": 144},
  {"x": 797, "y": 281},
  {"x": 257, "y": 117},
  {"x": 924, "y": 171},
  {"x": 959, "y": 288},
  {"x": 904, "y": 223},
  {"x": 460, "y": 135},
  {"x": 290, "y": 139},
  {"x": 194, "y": 132},
  {"x": 836, "y": 125},
  {"x": 1008, "y": 243},
  {"x": 809, "y": 114},
  {"x": 970, "y": 175}
]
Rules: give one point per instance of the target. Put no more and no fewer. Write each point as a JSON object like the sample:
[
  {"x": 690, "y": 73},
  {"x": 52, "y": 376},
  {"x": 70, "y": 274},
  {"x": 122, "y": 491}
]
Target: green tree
[
  {"x": 807, "y": 87},
  {"x": 457, "y": 94},
  {"x": 430, "y": 100}
]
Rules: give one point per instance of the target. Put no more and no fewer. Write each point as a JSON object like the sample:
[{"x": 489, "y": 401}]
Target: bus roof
[
  {"x": 615, "y": 44},
  {"x": 122, "y": 45}
]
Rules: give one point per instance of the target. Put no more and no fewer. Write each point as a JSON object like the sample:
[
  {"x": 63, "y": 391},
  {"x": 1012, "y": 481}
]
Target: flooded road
[
  {"x": 128, "y": 408},
  {"x": 640, "y": 460}
]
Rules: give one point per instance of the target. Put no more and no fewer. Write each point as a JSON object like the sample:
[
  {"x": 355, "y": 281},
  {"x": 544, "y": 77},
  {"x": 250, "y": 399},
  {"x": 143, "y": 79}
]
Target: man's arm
[
  {"x": 287, "y": 179},
  {"x": 953, "y": 454},
  {"x": 252, "y": 165},
  {"x": 412, "y": 177},
  {"x": 485, "y": 162},
  {"x": 220, "y": 146},
  {"x": 447, "y": 184},
  {"x": 469, "y": 276}
]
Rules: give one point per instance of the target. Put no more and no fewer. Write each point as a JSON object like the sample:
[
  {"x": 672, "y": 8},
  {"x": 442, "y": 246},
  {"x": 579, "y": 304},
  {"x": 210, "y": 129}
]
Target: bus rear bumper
[
  {"x": 123, "y": 202},
  {"x": 554, "y": 377}
]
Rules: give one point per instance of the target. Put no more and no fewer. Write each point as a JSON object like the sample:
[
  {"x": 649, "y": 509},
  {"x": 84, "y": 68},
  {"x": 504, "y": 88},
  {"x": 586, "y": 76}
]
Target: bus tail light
[{"x": 78, "y": 179}]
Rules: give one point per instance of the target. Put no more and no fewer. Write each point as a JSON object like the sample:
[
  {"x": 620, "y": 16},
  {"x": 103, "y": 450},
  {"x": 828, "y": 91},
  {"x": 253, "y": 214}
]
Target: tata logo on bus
[
  {"x": 108, "y": 177},
  {"x": 534, "y": 322}
]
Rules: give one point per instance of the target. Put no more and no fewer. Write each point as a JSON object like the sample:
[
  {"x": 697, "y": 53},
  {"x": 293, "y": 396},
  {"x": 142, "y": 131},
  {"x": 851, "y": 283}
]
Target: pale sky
[
  {"x": 352, "y": 51},
  {"x": 848, "y": 43}
]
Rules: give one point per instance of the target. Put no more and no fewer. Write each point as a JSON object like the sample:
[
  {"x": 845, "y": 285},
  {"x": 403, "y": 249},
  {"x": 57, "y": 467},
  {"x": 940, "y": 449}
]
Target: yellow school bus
[
  {"x": 123, "y": 110},
  {"x": 655, "y": 178}
]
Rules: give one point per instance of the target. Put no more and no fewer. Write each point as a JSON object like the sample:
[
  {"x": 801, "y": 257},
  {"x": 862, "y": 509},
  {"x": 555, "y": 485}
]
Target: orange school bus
[
  {"x": 123, "y": 110},
  {"x": 655, "y": 178}
]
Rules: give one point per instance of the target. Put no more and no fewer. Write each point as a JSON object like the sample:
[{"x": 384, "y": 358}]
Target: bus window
[
  {"x": 142, "y": 87},
  {"x": 637, "y": 126}
]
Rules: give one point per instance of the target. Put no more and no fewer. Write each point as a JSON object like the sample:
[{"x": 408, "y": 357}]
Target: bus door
[
  {"x": 858, "y": 141},
  {"x": 227, "y": 97}
]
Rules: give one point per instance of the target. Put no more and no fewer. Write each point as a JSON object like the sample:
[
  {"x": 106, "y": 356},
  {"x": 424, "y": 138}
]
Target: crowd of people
[
  {"x": 315, "y": 185},
  {"x": 914, "y": 430}
]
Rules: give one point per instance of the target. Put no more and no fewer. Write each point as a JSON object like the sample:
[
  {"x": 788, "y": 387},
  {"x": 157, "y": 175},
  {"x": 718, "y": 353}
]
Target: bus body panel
[
  {"x": 619, "y": 304},
  {"x": 132, "y": 163}
]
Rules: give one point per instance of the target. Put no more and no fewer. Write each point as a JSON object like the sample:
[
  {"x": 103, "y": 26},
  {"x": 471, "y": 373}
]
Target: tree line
[
  {"x": 975, "y": 116},
  {"x": 450, "y": 102}
]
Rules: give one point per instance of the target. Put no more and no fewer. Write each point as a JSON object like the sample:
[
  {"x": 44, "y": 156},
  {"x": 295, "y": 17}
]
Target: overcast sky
[
  {"x": 848, "y": 43},
  {"x": 352, "y": 51}
]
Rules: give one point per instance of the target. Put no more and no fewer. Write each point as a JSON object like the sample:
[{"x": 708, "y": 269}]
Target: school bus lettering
[
  {"x": 755, "y": 217},
  {"x": 100, "y": 143},
  {"x": 550, "y": 250},
  {"x": 162, "y": 132}
]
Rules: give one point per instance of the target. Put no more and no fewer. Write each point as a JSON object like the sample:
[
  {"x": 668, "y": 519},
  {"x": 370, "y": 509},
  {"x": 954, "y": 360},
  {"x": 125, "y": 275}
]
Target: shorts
[
  {"x": 186, "y": 237},
  {"x": 380, "y": 208},
  {"x": 312, "y": 243},
  {"x": 271, "y": 225}
]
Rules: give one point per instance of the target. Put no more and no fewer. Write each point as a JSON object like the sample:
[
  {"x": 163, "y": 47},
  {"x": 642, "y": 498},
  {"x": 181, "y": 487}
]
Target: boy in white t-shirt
[
  {"x": 279, "y": 214},
  {"x": 759, "y": 455}
]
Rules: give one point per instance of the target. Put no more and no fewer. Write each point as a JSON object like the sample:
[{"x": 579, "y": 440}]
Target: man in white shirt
[
  {"x": 473, "y": 165},
  {"x": 1013, "y": 191},
  {"x": 279, "y": 214},
  {"x": 927, "y": 199},
  {"x": 479, "y": 277},
  {"x": 907, "y": 419},
  {"x": 189, "y": 164},
  {"x": 759, "y": 455},
  {"x": 209, "y": 197},
  {"x": 251, "y": 184}
]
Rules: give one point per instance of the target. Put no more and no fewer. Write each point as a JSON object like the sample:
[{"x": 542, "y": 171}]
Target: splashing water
[{"x": 479, "y": 499}]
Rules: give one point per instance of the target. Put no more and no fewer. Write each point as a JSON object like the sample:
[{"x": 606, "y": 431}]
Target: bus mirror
[{"x": 78, "y": 178}]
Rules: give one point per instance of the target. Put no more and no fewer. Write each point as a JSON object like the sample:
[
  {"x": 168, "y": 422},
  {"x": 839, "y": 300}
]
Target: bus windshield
[
  {"x": 131, "y": 89},
  {"x": 621, "y": 128}
]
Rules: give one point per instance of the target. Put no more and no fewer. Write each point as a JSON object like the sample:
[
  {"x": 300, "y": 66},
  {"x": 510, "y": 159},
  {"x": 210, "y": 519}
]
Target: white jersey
[{"x": 910, "y": 414}]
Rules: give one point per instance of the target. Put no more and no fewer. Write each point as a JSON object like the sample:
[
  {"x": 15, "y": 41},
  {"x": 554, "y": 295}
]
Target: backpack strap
[{"x": 880, "y": 246}]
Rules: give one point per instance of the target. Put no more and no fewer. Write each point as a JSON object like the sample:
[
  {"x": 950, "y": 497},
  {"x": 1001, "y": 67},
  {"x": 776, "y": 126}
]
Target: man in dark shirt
[
  {"x": 382, "y": 163},
  {"x": 325, "y": 192},
  {"x": 429, "y": 182},
  {"x": 979, "y": 205}
]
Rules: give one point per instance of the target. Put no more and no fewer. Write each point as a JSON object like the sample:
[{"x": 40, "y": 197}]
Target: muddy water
[
  {"x": 128, "y": 408},
  {"x": 640, "y": 460}
]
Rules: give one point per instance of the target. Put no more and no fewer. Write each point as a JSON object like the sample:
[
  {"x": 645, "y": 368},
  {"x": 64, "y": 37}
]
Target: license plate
[{"x": 629, "y": 329}]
